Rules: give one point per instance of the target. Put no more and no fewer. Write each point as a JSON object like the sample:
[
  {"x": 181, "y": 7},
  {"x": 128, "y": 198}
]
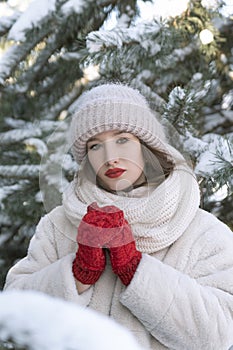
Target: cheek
[
  {"x": 95, "y": 161},
  {"x": 137, "y": 158},
  {"x": 130, "y": 151},
  {"x": 137, "y": 167}
]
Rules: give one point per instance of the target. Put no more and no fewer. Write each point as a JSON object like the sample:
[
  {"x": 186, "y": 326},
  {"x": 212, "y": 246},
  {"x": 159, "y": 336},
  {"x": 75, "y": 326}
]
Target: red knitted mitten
[
  {"x": 125, "y": 260},
  {"x": 89, "y": 262},
  {"x": 123, "y": 253}
]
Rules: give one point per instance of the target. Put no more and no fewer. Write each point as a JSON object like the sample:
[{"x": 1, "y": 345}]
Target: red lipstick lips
[{"x": 114, "y": 172}]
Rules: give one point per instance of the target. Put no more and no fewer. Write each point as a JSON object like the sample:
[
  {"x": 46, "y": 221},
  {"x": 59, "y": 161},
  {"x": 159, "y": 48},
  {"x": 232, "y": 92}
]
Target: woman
[{"x": 147, "y": 256}]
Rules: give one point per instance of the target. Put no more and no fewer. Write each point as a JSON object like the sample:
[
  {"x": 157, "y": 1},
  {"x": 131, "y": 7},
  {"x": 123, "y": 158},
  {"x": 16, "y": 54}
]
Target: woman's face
[{"x": 116, "y": 158}]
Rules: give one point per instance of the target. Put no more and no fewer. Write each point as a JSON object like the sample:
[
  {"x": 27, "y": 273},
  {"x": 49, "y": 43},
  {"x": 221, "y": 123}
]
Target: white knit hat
[{"x": 114, "y": 107}]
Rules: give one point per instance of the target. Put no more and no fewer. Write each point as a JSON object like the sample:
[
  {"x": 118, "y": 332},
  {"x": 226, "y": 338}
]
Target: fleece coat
[{"x": 181, "y": 296}]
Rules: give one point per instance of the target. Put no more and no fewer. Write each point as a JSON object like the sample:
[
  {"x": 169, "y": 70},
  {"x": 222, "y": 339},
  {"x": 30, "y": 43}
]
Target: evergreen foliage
[
  {"x": 43, "y": 65},
  {"x": 190, "y": 82},
  {"x": 41, "y": 75}
]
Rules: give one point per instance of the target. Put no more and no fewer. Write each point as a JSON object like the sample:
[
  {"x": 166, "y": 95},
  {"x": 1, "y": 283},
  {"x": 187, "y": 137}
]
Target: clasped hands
[{"x": 102, "y": 228}]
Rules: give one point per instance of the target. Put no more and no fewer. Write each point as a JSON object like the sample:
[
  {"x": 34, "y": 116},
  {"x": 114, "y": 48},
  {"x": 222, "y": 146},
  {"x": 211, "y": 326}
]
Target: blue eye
[
  {"x": 95, "y": 147},
  {"x": 122, "y": 140}
]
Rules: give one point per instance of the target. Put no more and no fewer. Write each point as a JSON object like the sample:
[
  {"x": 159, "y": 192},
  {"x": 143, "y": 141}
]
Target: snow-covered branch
[
  {"x": 119, "y": 37},
  {"x": 14, "y": 136},
  {"x": 5, "y": 191},
  {"x": 19, "y": 171},
  {"x": 22, "y": 130}
]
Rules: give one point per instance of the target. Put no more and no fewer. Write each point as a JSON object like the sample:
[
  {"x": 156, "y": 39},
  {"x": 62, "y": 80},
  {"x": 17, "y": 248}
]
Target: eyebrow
[{"x": 94, "y": 138}]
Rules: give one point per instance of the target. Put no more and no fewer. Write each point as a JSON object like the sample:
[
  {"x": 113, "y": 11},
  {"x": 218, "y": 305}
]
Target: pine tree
[
  {"x": 188, "y": 78},
  {"x": 43, "y": 67},
  {"x": 42, "y": 72}
]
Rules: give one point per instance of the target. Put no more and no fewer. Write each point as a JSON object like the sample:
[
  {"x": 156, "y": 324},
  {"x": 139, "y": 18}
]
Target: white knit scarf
[{"x": 157, "y": 217}]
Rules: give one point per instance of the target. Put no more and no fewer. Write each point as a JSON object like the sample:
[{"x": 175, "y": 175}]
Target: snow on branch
[
  {"x": 76, "y": 6},
  {"x": 214, "y": 159},
  {"x": 19, "y": 171},
  {"x": 15, "y": 54},
  {"x": 180, "y": 108},
  {"x": 64, "y": 102},
  {"x": 25, "y": 130},
  {"x": 118, "y": 37},
  {"x": 36, "y": 11},
  {"x": 37, "y": 145},
  {"x": 7, "y": 60},
  {"x": 9, "y": 17},
  {"x": 14, "y": 136},
  {"x": 179, "y": 55},
  {"x": 5, "y": 191},
  {"x": 216, "y": 162},
  {"x": 217, "y": 154},
  {"x": 40, "y": 322},
  {"x": 153, "y": 98}
]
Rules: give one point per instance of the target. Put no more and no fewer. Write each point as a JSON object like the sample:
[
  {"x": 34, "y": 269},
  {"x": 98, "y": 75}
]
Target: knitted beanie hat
[{"x": 114, "y": 107}]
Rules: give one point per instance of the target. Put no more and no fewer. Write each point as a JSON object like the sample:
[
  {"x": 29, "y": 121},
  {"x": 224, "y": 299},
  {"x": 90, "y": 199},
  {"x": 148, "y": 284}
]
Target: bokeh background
[{"x": 179, "y": 54}]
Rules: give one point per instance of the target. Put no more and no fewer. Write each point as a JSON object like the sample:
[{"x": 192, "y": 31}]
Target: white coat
[{"x": 181, "y": 296}]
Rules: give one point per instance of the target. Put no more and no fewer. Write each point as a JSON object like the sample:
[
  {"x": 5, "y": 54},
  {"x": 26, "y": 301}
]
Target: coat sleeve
[
  {"x": 190, "y": 309},
  {"x": 43, "y": 270}
]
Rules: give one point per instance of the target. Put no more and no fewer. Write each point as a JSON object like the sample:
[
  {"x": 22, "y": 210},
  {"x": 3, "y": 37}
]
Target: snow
[
  {"x": 177, "y": 92},
  {"x": 118, "y": 36},
  {"x": 166, "y": 8},
  {"x": 5, "y": 11},
  {"x": 227, "y": 102},
  {"x": 36, "y": 12},
  {"x": 172, "y": 8},
  {"x": 6, "y": 60},
  {"x": 210, "y": 4},
  {"x": 215, "y": 145},
  {"x": 20, "y": 171},
  {"x": 219, "y": 195},
  {"x": 213, "y": 4},
  {"x": 228, "y": 115},
  {"x": 15, "y": 123},
  {"x": 162, "y": 8},
  {"x": 5, "y": 191},
  {"x": 212, "y": 121},
  {"x": 38, "y": 144},
  {"x": 31, "y": 132},
  {"x": 123, "y": 21},
  {"x": 20, "y": 5},
  {"x": 17, "y": 135},
  {"x": 151, "y": 48},
  {"x": 71, "y": 6},
  {"x": 180, "y": 54},
  {"x": 7, "y": 15},
  {"x": 40, "y": 322}
]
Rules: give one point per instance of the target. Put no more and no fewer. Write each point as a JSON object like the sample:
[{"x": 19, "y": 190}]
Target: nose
[
  {"x": 111, "y": 156},
  {"x": 111, "y": 162}
]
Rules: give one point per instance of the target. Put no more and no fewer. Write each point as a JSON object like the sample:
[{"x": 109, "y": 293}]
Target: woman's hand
[
  {"x": 90, "y": 261},
  {"x": 101, "y": 228},
  {"x": 120, "y": 241}
]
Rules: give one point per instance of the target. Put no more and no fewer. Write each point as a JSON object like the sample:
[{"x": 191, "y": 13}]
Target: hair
[{"x": 158, "y": 166}]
